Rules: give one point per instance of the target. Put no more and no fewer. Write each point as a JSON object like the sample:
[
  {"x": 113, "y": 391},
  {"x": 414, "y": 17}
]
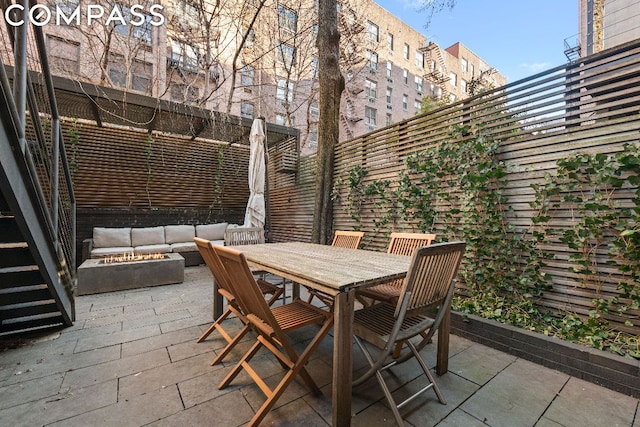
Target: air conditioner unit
[
  {"x": 389, "y": 80},
  {"x": 389, "y": 107},
  {"x": 372, "y": 100},
  {"x": 419, "y": 93}
]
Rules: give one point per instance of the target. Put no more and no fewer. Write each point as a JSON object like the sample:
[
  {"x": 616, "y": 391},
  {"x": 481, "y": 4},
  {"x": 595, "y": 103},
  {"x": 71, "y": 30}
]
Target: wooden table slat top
[{"x": 328, "y": 268}]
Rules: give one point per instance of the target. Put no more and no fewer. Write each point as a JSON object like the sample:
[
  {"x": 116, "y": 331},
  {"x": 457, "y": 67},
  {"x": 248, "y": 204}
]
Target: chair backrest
[
  {"x": 225, "y": 287},
  {"x": 406, "y": 243},
  {"x": 347, "y": 239},
  {"x": 243, "y": 236},
  {"x": 430, "y": 279},
  {"x": 248, "y": 294}
]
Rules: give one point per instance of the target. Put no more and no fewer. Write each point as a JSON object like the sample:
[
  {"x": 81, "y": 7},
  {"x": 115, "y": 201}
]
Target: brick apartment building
[{"x": 252, "y": 58}]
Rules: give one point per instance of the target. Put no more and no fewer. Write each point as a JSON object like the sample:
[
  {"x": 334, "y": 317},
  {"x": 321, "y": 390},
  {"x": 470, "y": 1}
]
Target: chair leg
[
  {"x": 214, "y": 325},
  {"x": 298, "y": 368},
  {"x": 231, "y": 342},
  {"x": 425, "y": 368},
  {"x": 242, "y": 363}
]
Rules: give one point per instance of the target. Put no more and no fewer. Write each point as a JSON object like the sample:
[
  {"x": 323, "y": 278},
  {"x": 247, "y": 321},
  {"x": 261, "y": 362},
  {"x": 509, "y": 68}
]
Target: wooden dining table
[{"x": 338, "y": 272}]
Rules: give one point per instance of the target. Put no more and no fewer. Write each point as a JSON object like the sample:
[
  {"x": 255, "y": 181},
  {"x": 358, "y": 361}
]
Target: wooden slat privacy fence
[
  {"x": 590, "y": 106},
  {"x": 118, "y": 167}
]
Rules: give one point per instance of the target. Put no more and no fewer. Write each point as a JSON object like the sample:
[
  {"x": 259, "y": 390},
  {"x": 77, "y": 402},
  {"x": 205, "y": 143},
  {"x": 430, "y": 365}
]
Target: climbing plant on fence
[
  {"x": 456, "y": 189},
  {"x": 602, "y": 237}
]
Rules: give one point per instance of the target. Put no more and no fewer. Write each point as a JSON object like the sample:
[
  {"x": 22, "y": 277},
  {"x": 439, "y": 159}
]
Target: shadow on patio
[{"x": 131, "y": 359}]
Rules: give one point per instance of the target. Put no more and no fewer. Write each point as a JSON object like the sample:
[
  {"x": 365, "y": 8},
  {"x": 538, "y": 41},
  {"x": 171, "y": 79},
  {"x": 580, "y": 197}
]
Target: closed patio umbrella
[{"x": 256, "y": 210}]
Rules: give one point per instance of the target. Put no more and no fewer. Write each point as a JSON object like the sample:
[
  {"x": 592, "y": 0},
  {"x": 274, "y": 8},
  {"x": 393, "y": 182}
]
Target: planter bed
[{"x": 609, "y": 370}]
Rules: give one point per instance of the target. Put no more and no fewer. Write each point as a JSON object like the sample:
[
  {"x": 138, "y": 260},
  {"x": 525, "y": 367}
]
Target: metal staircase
[{"x": 37, "y": 206}]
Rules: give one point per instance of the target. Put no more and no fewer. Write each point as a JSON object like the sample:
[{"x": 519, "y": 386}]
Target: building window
[
  {"x": 372, "y": 61},
  {"x": 389, "y": 72},
  {"x": 418, "y": 81},
  {"x": 406, "y": 51},
  {"x": 314, "y": 109},
  {"x": 419, "y": 60},
  {"x": 140, "y": 32},
  {"x": 390, "y": 41},
  {"x": 405, "y": 77},
  {"x": 464, "y": 65},
  {"x": 389, "y": 120},
  {"x": 371, "y": 89},
  {"x": 183, "y": 93},
  {"x": 472, "y": 68},
  {"x": 247, "y": 75},
  {"x": 405, "y": 102},
  {"x": 463, "y": 85},
  {"x": 313, "y": 136},
  {"x": 141, "y": 74},
  {"x": 138, "y": 78},
  {"x": 284, "y": 90},
  {"x": 417, "y": 105},
  {"x": 453, "y": 79},
  {"x": 251, "y": 37},
  {"x": 314, "y": 67},
  {"x": 286, "y": 55},
  {"x": 183, "y": 55},
  {"x": 373, "y": 32},
  {"x": 280, "y": 119},
  {"x": 188, "y": 11},
  {"x": 117, "y": 73},
  {"x": 64, "y": 55},
  {"x": 287, "y": 18},
  {"x": 389, "y": 92},
  {"x": 246, "y": 110},
  {"x": 370, "y": 117}
]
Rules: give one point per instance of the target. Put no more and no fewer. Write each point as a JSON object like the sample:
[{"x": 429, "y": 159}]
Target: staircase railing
[{"x": 30, "y": 100}]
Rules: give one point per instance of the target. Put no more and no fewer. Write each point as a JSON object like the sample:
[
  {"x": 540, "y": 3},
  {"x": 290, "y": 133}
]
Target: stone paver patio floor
[{"x": 131, "y": 359}]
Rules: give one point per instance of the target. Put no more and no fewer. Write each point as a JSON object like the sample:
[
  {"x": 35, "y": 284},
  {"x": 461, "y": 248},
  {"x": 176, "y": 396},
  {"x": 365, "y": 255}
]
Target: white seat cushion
[
  {"x": 179, "y": 233},
  {"x": 103, "y": 252},
  {"x": 211, "y": 231},
  {"x": 152, "y": 249},
  {"x": 184, "y": 247},
  {"x": 111, "y": 237},
  {"x": 147, "y": 236}
]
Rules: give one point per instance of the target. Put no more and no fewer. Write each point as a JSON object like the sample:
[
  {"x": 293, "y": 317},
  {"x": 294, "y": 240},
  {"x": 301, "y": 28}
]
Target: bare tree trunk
[{"x": 331, "y": 86}]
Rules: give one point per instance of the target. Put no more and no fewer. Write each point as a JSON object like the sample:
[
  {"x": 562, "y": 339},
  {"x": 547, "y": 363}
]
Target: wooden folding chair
[
  {"x": 238, "y": 236},
  {"x": 272, "y": 325},
  {"x": 225, "y": 289},
  {"x": 341, "y": 239},
  {"x": 401, "y": 244},
  {"x": 429, "y": 284},
  {"x": 347, "y": 239}
]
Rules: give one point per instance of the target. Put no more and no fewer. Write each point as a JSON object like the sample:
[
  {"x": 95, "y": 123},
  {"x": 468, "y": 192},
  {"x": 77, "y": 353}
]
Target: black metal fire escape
[{"x": 37, "y": 205}]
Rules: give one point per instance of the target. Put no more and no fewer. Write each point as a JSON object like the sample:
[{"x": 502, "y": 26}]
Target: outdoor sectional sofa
[{"x": 160, "y": 239}]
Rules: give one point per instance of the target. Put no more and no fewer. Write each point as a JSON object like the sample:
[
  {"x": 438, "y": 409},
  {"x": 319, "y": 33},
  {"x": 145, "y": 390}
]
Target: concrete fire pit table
[{"x": 96, "y": 276}]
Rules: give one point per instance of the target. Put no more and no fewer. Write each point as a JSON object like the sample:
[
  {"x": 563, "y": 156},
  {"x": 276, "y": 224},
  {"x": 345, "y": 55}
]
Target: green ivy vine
[
  {"x": 73, "y": 133},
  {"x": 148, "y": 153},
  {"x": 602, "y": 237},
  {"x": 457, "y": 190}
]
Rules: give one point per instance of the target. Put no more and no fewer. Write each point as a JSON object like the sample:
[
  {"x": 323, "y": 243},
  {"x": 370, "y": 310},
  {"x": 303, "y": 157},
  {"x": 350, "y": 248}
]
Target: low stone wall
[{"x": 615, "y": 372}]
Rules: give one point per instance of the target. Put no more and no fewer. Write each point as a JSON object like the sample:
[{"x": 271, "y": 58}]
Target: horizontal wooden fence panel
[
  {"x": 591, "y": 106},
  {"x": 118, "y": 167}
]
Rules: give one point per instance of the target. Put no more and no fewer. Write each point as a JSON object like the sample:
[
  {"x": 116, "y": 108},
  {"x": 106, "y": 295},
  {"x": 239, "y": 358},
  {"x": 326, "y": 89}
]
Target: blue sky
[{"x": 518, "y": 37}]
